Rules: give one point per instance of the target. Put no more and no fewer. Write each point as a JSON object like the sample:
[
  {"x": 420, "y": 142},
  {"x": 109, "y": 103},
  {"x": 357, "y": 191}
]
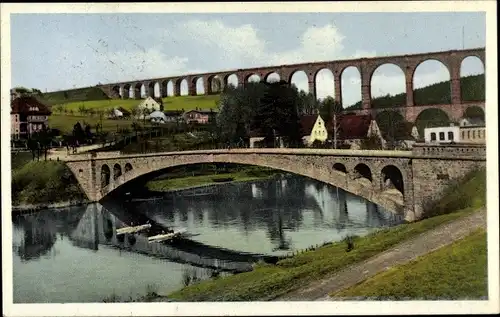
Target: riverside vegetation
[{"x": 267, "y": 281}]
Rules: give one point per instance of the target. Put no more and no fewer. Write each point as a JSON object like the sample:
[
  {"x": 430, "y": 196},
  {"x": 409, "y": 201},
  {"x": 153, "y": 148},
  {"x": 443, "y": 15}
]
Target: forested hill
[
  {"x": 73, "y": 95},
  {"x": 473, "y": 89}
]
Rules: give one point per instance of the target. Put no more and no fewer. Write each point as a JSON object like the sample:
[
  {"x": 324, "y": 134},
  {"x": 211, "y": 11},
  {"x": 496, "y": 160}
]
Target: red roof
[
  {"x": 352, "y": 126},
  {"x": 27, "y": 105},
  {"x": 307, "y": 123}
]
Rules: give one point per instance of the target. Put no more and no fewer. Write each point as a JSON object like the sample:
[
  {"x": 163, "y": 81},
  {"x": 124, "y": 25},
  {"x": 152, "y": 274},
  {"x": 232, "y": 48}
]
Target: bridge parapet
[{"x": 450, "y": 151}]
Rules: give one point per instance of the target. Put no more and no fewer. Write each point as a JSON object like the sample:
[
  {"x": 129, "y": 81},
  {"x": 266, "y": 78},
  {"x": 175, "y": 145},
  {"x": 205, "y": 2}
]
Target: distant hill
[
  {"x": 473, "y": 89},
  {"x": 73, "y": 95}
]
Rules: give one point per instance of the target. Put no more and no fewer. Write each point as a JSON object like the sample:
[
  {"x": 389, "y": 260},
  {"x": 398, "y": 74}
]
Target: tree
[
  {"x": 329, "y": 107},
  {"x": 78, "y": 132}
]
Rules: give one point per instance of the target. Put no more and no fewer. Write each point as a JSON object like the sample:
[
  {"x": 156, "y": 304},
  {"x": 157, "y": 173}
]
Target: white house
[
  {"x": 313, "y": 128},
  {"x": 442, "y": 134},
  {"x": 158, "y": 117},
  {"x": 150, "y": 104},
  {"x": 115, "y": 113}
]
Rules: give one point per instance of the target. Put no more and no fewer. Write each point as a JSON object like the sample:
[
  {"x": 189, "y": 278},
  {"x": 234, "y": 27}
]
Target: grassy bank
[
  {"x": 44, "y": 182},
  {"x": 248, "y": 174},
  {"x": 267, "y": 282},
  {"x": 454, "y": 272}
]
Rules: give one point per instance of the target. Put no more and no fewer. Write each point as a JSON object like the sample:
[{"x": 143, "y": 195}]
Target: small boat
[
  {"x": 166, "y": 236},
  {"x": 132, "y": 229}
]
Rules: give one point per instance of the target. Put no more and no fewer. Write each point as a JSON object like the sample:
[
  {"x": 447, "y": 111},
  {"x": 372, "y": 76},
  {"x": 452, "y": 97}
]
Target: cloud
[
  {"x": 221, "y": 46},
  {"x": 135, "y": 65}
]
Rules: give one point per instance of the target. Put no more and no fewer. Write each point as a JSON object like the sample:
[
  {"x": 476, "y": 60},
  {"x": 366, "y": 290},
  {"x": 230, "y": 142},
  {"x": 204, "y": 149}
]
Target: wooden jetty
[
  {"x": 132, "y": 229},
  {"x": 166, "y": 236}
]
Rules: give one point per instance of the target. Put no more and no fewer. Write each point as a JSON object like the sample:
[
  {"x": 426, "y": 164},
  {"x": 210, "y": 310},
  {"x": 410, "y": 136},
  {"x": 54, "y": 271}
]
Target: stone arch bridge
[{"x": 399, "y": 181}]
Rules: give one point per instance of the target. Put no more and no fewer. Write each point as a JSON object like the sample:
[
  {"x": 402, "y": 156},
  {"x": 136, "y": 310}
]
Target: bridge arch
[
  {"x": 392, "y": 176},
  {"x": 128, "y": 167},
  {"x": 126, "y": 91},
  {"x": 117, "y": 171},
  {"x": 151, "y": 89},
  {"x": 350, "y": 87},
  {"x": 363, "y": 171},
  {"x": 214, "y": 84},
  {"x": 324, "y": 83},
  {"x": 231, "y": 79},
  {"x": 105, "y": 175},
  {"x": 431, "y": 117},
  {"x": 474, "y": 112},
  {"x": 272, "y": 77},
  {"x": 431, "y": 72},
  {"x": 362, "y": 185},
  {"x": 340, "y": 167},
  {"x": 253, "y": 78},
  {"x": 299, "y": 78},
  {"x": 116, "y": 90}
]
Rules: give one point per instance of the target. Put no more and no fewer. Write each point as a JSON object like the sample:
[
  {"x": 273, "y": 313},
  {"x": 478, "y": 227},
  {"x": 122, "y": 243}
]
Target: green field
[
  {"x": 169, "y": 103},
  {"x": 454, "y": 272},
  {"x": 249, "y": 174},
  {"x": 267, "y": 282}
]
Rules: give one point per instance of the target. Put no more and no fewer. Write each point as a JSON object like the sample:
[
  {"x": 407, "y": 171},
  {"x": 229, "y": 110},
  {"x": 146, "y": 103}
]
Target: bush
[
  {"x": 470, "y": 191},
  {"x": 44, "y": 182}
]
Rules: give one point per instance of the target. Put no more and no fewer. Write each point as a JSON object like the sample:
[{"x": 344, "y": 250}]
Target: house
[
  {"x": 352, "y": 129},
  {"x": 257, "y": 136},
  {"x": 158, "y": 117},
  {"x": 313, "y": 129},
  {"x": 125, "y": 112},
  {"x": 473, "y": 134},
  {"x": 471, "y": 122},
  {"x": 28, "y": 115},
  {"x": 200, "y": 116},
  {"x": 149, "y": 103},
  {"x": 442, "y": 134},
  {"x": 115, "y": 114},
  {"x": 174, "y": 115}
]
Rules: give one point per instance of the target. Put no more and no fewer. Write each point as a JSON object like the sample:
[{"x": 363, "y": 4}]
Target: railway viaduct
[
  {"x": 216, "y": 81},
  {"x": 399, "y": 181}
]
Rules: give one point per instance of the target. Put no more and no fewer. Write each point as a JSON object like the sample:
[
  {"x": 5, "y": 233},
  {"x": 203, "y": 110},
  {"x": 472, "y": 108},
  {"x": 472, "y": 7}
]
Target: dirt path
[{"x": 399, "y": 254}]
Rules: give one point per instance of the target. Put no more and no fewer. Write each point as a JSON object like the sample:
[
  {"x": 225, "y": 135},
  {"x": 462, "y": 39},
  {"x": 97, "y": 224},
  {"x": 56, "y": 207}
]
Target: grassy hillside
[
  {"x": 169, "y": 103},
  {"x": 473, "y": 89}
]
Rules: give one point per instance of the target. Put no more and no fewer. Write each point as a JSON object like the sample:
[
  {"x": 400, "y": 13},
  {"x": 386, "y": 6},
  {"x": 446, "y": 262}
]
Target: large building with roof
[{"x": 28, "y": 115}]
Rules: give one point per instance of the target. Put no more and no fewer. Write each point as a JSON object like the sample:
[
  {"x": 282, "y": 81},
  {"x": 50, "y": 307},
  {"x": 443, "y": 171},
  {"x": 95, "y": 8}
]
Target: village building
[
  {"x": 157, "y": 117},
  {"x": 353, "y": 129},
  {"x": 149, "y": 103},
  {"x": 200, "y": 116},
  {"x": 473, "y": 134},
  {"x": 28, "y": 115},
  {"x": 115, "y": 114},
  {"x": 313, "y": 129},
  {"x": 450, "y": 134},
  {"x": 256, "y": 138},
  {"x": 174, "y": 115}
]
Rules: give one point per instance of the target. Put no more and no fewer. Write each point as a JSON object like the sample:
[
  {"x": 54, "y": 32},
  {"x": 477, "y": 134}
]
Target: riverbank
[
  {"x": 25, "y": 208},
  {"x": 268, "y": 282},
  {"x": 37, "y": 184},
  {"x": 192, "y": 182}
]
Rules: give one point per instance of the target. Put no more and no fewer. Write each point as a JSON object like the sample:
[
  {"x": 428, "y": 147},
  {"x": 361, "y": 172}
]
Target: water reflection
[{"x": 233, "y": 226}]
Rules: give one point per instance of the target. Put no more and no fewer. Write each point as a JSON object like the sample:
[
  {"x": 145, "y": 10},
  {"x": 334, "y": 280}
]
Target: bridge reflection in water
[{"x": 235, "y": 225}]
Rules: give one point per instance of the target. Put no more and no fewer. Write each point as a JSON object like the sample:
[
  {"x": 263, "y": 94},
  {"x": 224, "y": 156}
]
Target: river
[{"x": 74, "y": 255}]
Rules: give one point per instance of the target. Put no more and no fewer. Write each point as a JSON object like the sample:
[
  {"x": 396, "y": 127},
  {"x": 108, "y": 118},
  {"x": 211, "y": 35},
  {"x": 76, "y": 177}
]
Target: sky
[{"x": 60, "y": 51}]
